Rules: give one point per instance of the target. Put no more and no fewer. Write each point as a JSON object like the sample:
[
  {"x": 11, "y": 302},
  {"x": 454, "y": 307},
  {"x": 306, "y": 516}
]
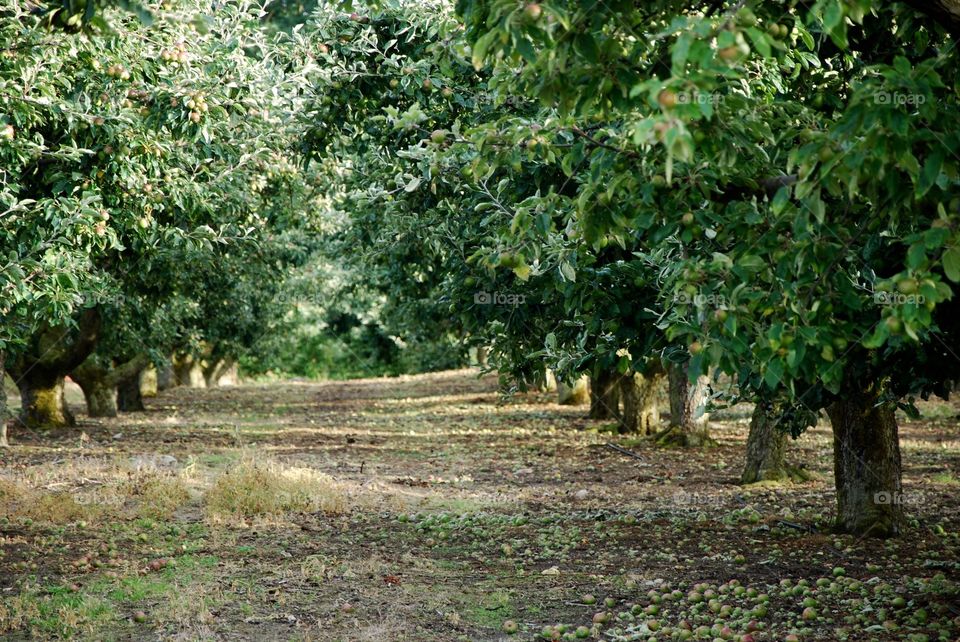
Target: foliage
[{"x": 765, "y": 156}]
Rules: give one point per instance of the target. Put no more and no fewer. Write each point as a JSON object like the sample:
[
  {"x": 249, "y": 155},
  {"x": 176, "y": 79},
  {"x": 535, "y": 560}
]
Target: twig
[
  {"x": 799, "y": 527},
  {"x": 623, "y": 451}
]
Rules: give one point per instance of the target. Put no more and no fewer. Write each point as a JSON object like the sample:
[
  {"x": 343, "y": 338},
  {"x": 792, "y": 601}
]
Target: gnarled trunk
[
  {"x": 866, "y": 456},
  {"x": 99, "y": 389},
  {"x": 129, "y": 398},
  {"x": 605, "y": 395},
  {"x": 39, "y": 370},
  {"x": 641, "y": 408},
  {"x": 99, "y": 379},
  {"x": 688, "y": 414},
  {"x": 100, "y": 395},
  {"x": 766, "y": 446},
  {"x": 220, "y": 372},
  {"x": 42, "y": 401},
  {"x": 188, "y": 372},
  {"x": 573, "y": 395}
]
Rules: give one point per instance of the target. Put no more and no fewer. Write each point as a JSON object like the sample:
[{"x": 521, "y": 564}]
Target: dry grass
[
  {"x": 18, "y": 501},
  {"x": 271, "y": 490},
  {"x": 117, "y": 494},
  {"x": 17, "y": 612},
  {"x": 156, "y": 495}
]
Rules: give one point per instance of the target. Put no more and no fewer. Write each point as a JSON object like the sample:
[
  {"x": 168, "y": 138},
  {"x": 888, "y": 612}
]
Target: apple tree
[
  {"x": 133, "y": 154},
  {"x": 803, "y": 158}
]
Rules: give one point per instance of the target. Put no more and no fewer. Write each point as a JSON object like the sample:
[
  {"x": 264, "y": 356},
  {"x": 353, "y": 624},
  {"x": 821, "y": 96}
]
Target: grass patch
[
  {"x": 491, "y": 610},
  {"x": 22, "y": 502},
  {"x": 156, "y": 496},
  {"x": 270, "y": 490},
  {"x": 57, "y": 612},
  {"x": 946, "y": 478}
]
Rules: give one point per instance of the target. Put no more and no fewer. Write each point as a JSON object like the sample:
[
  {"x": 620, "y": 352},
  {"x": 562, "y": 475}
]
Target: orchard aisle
[{"x": 428, "y": 508}]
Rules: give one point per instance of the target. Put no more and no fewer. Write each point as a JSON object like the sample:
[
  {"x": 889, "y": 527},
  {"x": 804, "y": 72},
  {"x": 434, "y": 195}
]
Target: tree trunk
[
  {"x": 766, "y": 446},
  {"x": 99, "y": 389},
  {"x": 3, "y": 401},
  {"x": 866, "y": 456},
  {"x": 482, "y": 352},
  {"x": 129, "y": 398},
  {"x": 218, "y": 371},
  {"x": 188, "y": 372},
  {"x": 101, "y": 397},
  {"x": 39, "y": 369},
  {"x": 549, "y": 380},
  {"x": 42, "y": 401},
  {"x": 641, "y": 408},
  {"x": 576, "y": 395},
  {"x": 166, "y": 378},
  {"x": 605, "y": 395},
  {"x": 688, "y": 415},
  {"x": 148, "y": 382}
]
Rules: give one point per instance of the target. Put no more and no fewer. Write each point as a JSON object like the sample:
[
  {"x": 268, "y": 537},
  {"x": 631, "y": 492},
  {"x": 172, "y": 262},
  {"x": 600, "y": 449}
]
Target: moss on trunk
[
  {"x": 44, "y": 406},
  {"x": 101, "y": 399}
]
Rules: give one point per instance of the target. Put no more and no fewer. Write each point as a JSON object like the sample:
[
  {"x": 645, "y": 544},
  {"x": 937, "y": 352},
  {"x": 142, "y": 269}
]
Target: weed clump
[{"x": 270, "y": 490}]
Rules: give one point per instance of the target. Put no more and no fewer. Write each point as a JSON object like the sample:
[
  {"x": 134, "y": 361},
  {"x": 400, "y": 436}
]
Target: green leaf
[
  {"x": 681, "y": 49},
  {"x": 951, "y": 264},
  {"x": 522, "y": 271},
  {"x": 930, "y": 173}
]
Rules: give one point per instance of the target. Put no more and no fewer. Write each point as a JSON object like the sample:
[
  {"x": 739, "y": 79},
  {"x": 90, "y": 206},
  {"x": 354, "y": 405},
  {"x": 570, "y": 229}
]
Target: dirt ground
[{"x": 428, "y": 508}]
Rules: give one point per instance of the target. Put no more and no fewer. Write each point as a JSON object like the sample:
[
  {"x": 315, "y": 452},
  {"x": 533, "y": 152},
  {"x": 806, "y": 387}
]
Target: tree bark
[
  {"x": 99, "y": 378},
  {"x": 605, "y": 395},
  {"x": 99, "y": 393},
  {"x": 99, "y": 389},
  {"x": 43, "y": 403},
  {"x": 166, "y": 378},
  {"x": 188, "y": 372},
  {"x": 688, "y": 415},
  {"x": 866, "y": 455},
  {"x": 148, "y": 382},
  {"x": 641, "y": 407},
  {"x": 129, "y": 398},
  {"x": 3, "y": 401},
  {"x": 577, "y": 394},
  {"x": 40, "y": 367},
  {"x": 549, "y": 380},
  {"x": 766, "y": 447},
  {"x": 218, "y": 370}
]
